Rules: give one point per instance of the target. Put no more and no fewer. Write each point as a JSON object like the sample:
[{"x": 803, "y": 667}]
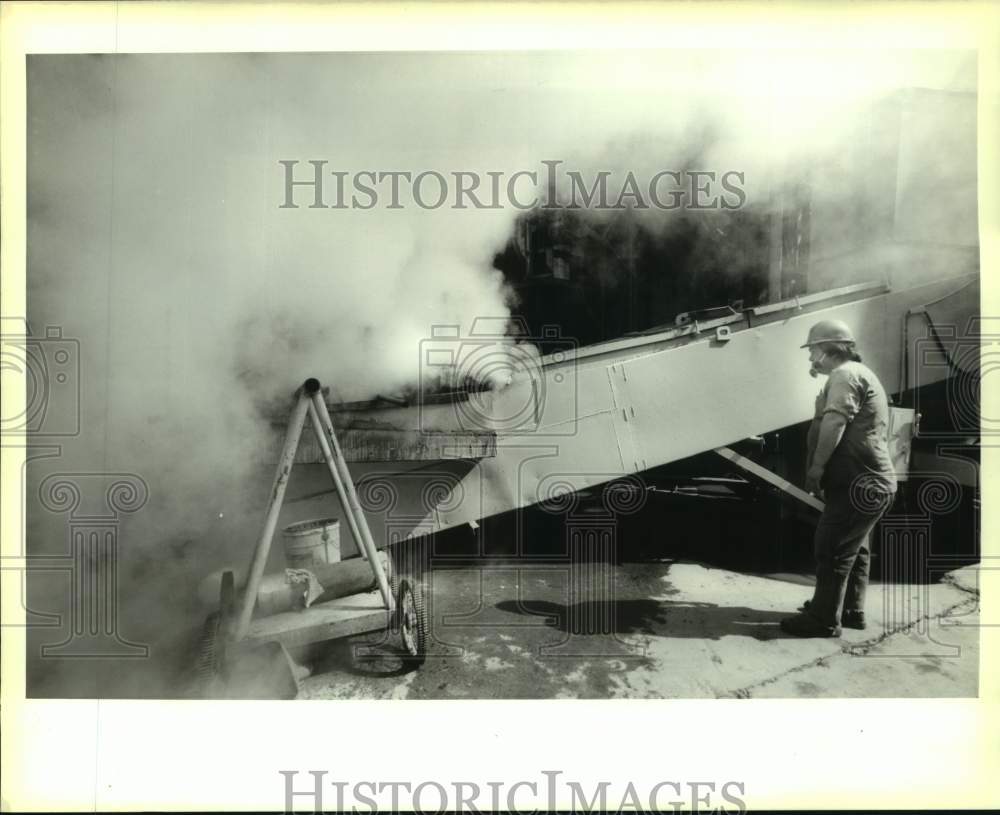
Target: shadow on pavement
[{"x": 654, "y": 617}]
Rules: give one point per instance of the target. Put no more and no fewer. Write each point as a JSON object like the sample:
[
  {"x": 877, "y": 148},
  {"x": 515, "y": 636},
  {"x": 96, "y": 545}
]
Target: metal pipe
[
  {"x": 651, "y": 336},
  {"x": 340, "y": 579},
  {"x": 817, "y": 297},
  {"x": 323, "y": 428},
  {"x": 263, "y": 547}
]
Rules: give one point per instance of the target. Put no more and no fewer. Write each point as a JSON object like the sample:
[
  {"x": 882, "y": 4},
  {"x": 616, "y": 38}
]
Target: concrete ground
[{"x": 662, "y": 629}]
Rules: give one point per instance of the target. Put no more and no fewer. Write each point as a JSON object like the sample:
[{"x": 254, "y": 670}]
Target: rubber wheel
[{"x": 412, "y": 621}]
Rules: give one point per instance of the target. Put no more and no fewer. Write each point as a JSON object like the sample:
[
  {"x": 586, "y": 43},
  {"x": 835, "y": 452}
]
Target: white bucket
[{"x": 311, "y": 543}]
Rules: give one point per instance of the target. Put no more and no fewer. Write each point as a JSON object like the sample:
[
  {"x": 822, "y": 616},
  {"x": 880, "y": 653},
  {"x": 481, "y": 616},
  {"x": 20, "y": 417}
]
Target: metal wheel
[
  {"x": 211, "y": 657},
  {"x": 413, "y": 626}
]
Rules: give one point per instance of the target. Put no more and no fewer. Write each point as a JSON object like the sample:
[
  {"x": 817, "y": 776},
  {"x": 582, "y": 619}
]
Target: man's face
[{"x": 818, "y": 359}]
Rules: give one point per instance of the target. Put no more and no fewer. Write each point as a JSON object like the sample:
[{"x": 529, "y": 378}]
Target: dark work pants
[{"x": 843, "y": 552}]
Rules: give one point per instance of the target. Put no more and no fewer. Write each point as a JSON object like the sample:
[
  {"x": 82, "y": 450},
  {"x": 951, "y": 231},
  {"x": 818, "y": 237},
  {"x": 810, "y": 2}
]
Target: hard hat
[{"x": 828, "y": 331}]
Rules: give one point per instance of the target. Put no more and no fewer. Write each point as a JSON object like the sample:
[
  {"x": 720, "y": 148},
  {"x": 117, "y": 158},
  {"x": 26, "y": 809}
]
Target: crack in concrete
[
  {"x": 951, "y": 581},
  {"x": 854, "y": 649},
  {"x": 862, "y": 648}
]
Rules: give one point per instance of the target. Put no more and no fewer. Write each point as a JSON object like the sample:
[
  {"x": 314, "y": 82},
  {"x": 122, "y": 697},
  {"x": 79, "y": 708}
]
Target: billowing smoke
[
  {"x": 156, "y": 237},
  {"x": 858, "y": 152}
]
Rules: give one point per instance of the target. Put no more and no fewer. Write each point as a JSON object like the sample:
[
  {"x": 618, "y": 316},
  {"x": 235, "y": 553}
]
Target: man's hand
[
  {"x": 831, "y": 431},
  {"x": 812, "y": 481}
]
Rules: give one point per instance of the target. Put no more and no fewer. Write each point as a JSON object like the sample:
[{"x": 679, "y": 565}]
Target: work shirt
[{"x": 853, "y": 391}]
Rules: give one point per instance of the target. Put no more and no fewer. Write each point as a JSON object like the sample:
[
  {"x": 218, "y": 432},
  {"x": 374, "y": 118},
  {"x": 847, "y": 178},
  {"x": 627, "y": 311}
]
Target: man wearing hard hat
[{"x": 849, "y": 467}]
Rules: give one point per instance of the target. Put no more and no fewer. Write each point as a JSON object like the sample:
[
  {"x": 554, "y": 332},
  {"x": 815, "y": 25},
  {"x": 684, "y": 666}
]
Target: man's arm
[
  {"x": 831, "y": 431},
  {"x": 811, "y": 440}
]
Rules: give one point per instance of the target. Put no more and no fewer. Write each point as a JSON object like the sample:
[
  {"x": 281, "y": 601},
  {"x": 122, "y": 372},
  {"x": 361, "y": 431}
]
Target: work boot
[
  {"x": 805, "y": 625},
  {"x": 853, "y": 619},
  {"x": 849, "y": 619}
]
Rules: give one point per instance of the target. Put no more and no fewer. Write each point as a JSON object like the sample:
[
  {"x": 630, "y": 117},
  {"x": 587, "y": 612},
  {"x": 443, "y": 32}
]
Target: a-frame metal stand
[
  {"x": 310, "y": 400},
  {"x": 249, "y": 654}
]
